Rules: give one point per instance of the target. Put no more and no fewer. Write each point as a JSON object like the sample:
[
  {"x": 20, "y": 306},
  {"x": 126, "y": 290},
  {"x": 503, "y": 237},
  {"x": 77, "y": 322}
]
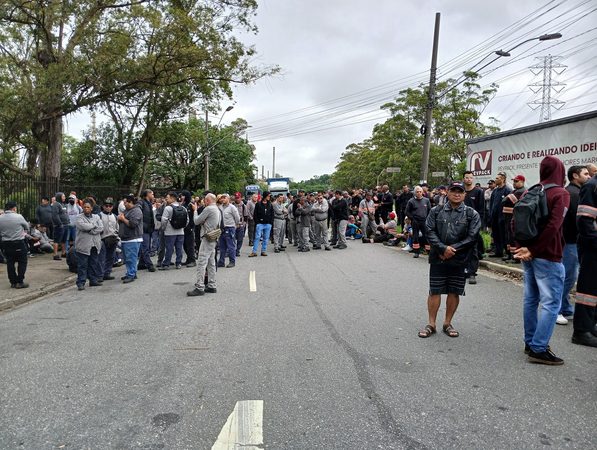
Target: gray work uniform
[
  {"x": 303, "y": 222},
  {"x": 209, "y": 220},
  {"x": 280, "y": 213},
  {"x": 320, "y": 223}
]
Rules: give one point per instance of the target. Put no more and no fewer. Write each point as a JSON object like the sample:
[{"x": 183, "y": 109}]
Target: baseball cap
[
  {"x": 491, "y": 181},
  {"x": 456, "y": 185},
  {"x": 519, "y": 178},
  {"x": 392, "y": 215},
  {"x": 237, "y": 195},
  {"x": 109, "y": 201}
]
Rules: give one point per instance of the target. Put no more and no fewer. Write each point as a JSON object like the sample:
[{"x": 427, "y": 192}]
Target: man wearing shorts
[{"x": 452, "y": 233}]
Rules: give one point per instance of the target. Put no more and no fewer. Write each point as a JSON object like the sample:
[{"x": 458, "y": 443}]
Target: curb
[
  {"x": 32, "y": 295},
  {"x": 501, "y": 268},
  {"x": 493, "y": 267}
]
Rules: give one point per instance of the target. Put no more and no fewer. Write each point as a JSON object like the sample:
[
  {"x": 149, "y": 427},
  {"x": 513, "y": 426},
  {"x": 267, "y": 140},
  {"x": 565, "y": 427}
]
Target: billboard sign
[{"x": 520, "y": 152}]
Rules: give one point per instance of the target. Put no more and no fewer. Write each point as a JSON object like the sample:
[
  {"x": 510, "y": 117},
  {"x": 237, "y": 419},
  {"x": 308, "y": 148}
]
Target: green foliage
[
  {"x": 175, "y": 158},
  {"x": 315, "y": 184},
  {"x": 398, "y": 141},
  {"x": 149, "y": 58}
]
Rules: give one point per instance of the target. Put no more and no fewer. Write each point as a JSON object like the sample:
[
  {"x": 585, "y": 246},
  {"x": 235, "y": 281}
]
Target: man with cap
[
  {"x": 452, "y": 232},
  {"x": 508, "y": 211},
  {"x": 13, "y": 229}
]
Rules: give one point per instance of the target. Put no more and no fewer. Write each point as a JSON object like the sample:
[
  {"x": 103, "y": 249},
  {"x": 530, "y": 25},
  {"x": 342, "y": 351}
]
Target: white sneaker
[
  {"x": 407, "y": 248},
  {"x": 561, "y": 320}
]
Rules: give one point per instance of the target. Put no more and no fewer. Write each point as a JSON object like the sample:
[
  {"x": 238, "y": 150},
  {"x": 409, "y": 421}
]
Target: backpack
[
  {"x": 531, "y": 213},
  {"x": 180, "y": 217}
]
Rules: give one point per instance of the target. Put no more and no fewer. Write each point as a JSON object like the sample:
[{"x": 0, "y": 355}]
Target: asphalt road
[{"x": 328, "y": 341}]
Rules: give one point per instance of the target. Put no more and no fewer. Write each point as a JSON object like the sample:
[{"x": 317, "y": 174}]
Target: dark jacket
[
  {"x": 43, "y": 214},
  {"x": 586, "y": 216},
  {"x": 402, "y": 200},
  {"x": 549, "y": 243},
  {"x": 418, "y": 209},
  {"x": 148, "y": 222},
  {"x": 187, "y": 204},
  {"x": 134, "y": 230},
  {"x": 264, "y": 213},
  {"x": 454, "y": 227},
  {"x": 59, "y": 216},
  {"x": 339, "y": 209},
  {"x": 570, "y": 229},
  {"x": 495, "y": 203}
]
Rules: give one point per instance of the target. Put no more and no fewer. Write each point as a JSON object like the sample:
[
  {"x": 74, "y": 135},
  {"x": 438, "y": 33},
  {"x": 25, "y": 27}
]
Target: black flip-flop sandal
[{"x": 427, "y": 331}]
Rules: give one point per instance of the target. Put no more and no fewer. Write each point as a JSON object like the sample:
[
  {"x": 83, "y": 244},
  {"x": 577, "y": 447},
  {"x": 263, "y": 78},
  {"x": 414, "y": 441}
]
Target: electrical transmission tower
[{"x": 548, "y": 66}]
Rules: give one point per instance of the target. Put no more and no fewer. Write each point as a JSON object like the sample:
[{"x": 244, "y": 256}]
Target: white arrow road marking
[
  {"x": 252, "y": 282},
  {"x": 244, "y": 427}
]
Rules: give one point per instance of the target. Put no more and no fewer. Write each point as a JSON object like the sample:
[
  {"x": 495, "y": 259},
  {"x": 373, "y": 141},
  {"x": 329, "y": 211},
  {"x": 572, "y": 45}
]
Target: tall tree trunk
[{"x": 50, "y": 161}]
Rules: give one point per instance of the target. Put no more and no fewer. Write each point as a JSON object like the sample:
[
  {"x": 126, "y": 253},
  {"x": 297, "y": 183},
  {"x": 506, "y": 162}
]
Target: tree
[
  {"x": 398, "y": 141},
  {"x": 59, "y": 57},
  {"x": 317, "y": 183}
]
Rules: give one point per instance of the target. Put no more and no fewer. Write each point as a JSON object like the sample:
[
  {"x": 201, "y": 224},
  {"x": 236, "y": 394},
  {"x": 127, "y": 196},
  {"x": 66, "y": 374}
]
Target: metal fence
[{"x": 28, "y": 191}]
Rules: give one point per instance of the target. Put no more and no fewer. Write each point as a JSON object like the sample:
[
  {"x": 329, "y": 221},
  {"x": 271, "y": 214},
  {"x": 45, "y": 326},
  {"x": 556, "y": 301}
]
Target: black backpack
[
  {"x": 531, "y": 213},
  {"x": 180, "y": 217}
]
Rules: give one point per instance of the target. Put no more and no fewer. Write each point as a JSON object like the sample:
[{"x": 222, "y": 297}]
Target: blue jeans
[
  {"x": 173, "y": 242},
  {"x": 106, "y": 259},
  {"x": 543, "y": 286},
  {"x": 240, "y": 235},
  {"x": 155, "y": 241},
  {"x": 570, "y": 261},
  {"x": 88, "y": 266},
  {"x": 145, "y": 249},
  {"x": 227, "y": 245},
  {"x": 71, "y": 235},
  {"x": 131, "y": 256},
  {"x": 262, "y": 231}
]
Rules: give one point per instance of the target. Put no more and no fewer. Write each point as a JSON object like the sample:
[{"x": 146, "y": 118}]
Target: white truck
[{"x": 278, "y": 186}]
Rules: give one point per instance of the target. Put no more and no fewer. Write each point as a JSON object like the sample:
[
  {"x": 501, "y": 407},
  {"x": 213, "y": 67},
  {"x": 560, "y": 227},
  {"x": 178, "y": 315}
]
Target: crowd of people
[{"x": 208, "y": 231}]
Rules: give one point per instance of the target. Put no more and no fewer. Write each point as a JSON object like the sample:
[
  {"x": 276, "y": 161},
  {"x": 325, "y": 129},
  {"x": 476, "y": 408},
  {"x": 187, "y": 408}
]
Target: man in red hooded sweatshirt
[{"x": 543, "y": 269}]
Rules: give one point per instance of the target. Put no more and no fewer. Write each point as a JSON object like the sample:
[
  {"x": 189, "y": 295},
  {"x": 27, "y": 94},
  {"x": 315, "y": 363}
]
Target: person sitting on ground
[
  {"x": 40, "y": 242},
  {"x": 387, "y": 231}
]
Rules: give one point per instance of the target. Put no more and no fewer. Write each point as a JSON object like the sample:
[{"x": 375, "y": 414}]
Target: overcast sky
[{"x": 353, "y": 56}]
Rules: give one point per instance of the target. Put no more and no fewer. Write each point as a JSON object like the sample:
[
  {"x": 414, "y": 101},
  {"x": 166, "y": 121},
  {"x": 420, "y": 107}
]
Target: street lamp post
[
  {"x": 432, "y": 99},
  {"x": 207, "y": 148}
]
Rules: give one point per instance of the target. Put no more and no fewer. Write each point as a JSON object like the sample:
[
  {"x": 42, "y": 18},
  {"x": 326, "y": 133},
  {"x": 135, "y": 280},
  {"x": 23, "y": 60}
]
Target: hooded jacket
[
  {"x": 59, "y": 216},
  {"x": 550, "y": 243}
]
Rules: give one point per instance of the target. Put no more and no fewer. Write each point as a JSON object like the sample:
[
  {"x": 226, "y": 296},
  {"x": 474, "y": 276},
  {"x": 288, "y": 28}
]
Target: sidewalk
[{"x": 44, "y": 276}]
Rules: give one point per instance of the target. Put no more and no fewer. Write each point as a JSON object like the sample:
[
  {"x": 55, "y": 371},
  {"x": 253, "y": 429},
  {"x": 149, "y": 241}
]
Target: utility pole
[
  {"x": 546, "y": 103},
  {"x": 430, "y": 102},
  {"x": 274, "y": 163},
  {"x": 262, "y": 172},
  {"x": 206, "y": 156}
]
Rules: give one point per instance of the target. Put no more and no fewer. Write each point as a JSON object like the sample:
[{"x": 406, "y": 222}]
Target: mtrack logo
[{"x": 481, "y": 162}]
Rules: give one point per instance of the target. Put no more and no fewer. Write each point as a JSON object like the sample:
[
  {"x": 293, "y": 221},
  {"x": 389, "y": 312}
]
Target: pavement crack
[{"x": 386, "y": 418}]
